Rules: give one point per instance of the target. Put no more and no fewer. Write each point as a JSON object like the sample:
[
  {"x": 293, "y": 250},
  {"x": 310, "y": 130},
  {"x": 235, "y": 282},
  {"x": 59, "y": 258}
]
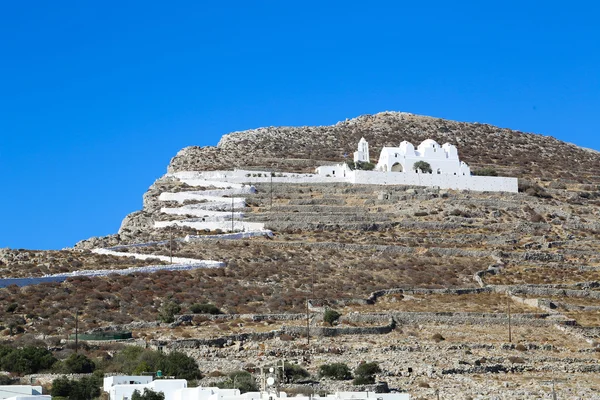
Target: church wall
[{"x": 443, "y": 181}]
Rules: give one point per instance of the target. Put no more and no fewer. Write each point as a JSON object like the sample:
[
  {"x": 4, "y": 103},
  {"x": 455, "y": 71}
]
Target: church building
[{"x": 442, "y": 159}]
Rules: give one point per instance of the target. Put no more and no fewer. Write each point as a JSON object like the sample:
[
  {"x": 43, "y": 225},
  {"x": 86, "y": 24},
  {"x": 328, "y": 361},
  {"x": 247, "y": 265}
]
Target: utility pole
[
  {"x": 232, "y": 208},
  {"x": 307, "y": 322},
  {"x": 271, "y": 208},
  {"x": 509, "y": 323},
  {"x": 171, "y": 243},
  {"x": 76, "y": 329}
]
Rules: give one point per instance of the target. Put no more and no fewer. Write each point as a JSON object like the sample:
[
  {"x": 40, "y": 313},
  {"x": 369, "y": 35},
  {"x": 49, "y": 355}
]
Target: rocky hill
[{"x": 423, "y": 278}]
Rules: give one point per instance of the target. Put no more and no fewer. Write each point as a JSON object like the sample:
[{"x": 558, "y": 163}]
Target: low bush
[
  {"x": 295, "y": 373},
  {"x": 336, "y": 371},
  {"x": 242, "y": 380},
  {"x": 148, "y": 394},
  {"x": 486, "y": 171},
  {"x": 365, "y": 373},
  {"x": 330, "y": 316},
  {"x": 205, "y": 308}
]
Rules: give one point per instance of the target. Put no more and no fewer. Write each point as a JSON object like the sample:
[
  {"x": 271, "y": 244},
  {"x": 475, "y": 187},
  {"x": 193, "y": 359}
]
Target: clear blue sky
[{"x": 96, "y": 97}]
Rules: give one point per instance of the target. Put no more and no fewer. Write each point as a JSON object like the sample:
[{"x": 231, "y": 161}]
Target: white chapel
[
  {"x": 442, "y": 159},
  {"x": 396, "y": 166}
]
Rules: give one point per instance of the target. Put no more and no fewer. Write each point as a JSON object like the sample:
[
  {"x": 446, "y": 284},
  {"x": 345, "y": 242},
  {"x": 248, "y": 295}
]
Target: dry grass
[
  {"x": 515, "y": 275},
  {"x": 483, "y": 302}
]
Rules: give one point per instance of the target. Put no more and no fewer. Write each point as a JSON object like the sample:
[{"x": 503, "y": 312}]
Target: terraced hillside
[{"x": 424, "y": 278}]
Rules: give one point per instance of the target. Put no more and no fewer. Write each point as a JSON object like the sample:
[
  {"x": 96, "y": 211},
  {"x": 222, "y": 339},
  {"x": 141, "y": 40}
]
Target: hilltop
[{"x": 301, "y": 149}]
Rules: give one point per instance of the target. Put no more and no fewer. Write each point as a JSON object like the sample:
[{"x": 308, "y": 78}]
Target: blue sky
[{"x": 96, "y": 97}]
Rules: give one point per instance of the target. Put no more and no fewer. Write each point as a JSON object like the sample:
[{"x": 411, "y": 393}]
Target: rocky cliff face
[{"x": 511, "y": 152}]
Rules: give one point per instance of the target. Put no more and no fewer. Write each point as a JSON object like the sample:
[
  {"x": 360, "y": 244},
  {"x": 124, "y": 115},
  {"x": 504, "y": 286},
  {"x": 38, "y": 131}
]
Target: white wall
[
  {"x": 168, "y": 386},
  {"x": 444, "y": 181},
  {"x": 457, "y": 182},
  {"x": 224, "y": 226},
  {"x": 110, "y": 381},
  {"x": 7, "y": 391}
]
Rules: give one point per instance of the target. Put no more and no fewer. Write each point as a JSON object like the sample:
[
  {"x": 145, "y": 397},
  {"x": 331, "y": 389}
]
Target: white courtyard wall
[{"x": 456, "y": 182}]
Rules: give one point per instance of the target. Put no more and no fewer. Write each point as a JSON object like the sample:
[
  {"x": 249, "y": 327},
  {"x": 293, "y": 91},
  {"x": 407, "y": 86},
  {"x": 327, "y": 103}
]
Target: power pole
[
  {"x": 271, "y": 208},
  {"x": 307, "y": 322},
  {"x": 509, "y": 322},
  {"x": 232, "y": 208},
  {"x": 76, "y": 329},
  {"x": 171, "y": 244}
]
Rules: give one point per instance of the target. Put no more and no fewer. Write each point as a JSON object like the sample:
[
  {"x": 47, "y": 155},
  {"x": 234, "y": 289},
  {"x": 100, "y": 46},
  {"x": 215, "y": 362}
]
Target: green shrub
[
  {"x": 86, "y": 388},
  {"x": 136, "y": 360},
  {"x": 360, "y": 165},
  {"x": 422, "y": 166},
  {"x": 486, "y": 171},
  {"x": 27, "y": 360},
  {"x": 363, "y": 380},
  {"x": 205, "y": 308},
  {"x": 367, "y": 369},
  {"x": 167, "y": 312},
  {"x": 11, "y": 307},
  {"x": 294, "y": 373},
  {"x": 78, "y": 364},
  {"x": 330, "y": 316},
  {"x": 337, "y": 371},
  {"x": 148, "y": 394},
  {"x": 365, "y": 373},
  {"x": 242, "y": 380}
]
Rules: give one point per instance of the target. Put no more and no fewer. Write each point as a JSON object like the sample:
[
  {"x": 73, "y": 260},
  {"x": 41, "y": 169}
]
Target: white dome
[{"x": 429, "y": 143}]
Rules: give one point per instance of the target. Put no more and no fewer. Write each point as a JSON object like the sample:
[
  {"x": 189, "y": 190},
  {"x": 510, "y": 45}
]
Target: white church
[{"x": 400, "y": 166}]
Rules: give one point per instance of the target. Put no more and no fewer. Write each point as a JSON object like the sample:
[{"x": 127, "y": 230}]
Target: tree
[
  {"x": 422, "y": 166},
  {"x": 365, "y": 373},
  {"x": 28, "y": 360},
  {"x": 167, "y": 312},
  {"x": 86, "y": 388},
  {"x": 79, "y": 364},
  {"x": 61, "y": 387},
  {"x": 337, "y": 371},
  {"x": 148, "y": 394},
  {"x": 181, "y": 366},
  {"x": 330, "y": 316}
]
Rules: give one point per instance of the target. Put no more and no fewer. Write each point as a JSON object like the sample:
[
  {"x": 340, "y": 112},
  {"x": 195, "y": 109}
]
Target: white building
[
  {"x": 362, "y": 154},
  {"x": 120, "y": 388},
  {"x": 396, "y": 166},
  {"x": 22, "y": 392},
  {"x": 123, "y": 391},
  {"x": 442, "y": 159}
]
